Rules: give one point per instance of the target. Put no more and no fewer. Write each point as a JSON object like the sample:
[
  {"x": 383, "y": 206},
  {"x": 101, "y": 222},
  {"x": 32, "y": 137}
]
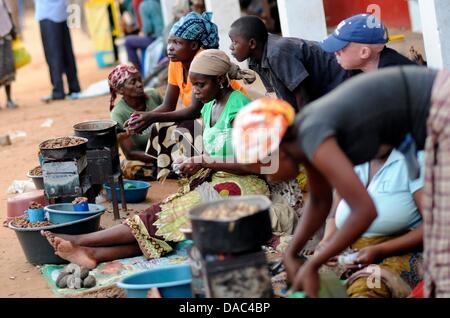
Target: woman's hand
[
  {"x": 307, "y": 279},
  {"x": 191, "y": 165},
  {"x": 139, "y": 121},
  {"x": 332, "y": 262},
  {"x": 292, "y": 264},
  {"x": 366, "y": 256},
  {"x": 369, "y": 255}
]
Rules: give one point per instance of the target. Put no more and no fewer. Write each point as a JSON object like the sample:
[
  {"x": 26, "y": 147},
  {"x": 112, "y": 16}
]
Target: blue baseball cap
[{"x": 361, "y": 28}]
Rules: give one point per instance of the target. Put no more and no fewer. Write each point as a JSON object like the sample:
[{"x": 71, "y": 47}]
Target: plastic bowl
[
  {"x": 172, "y": 281},
  {"x": 37, "y": 180},
  {"x": 36, "y": 248},
  {"x": 134, "y": 195},
  {"x": 64, "y": 212}
]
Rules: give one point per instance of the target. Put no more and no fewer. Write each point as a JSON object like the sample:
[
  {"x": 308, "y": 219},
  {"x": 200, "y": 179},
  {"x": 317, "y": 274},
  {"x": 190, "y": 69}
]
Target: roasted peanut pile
[
  {"x": 61, "y": 142},
  {"x": 229, "y": 211},
  {"x": 35, "y": 205},
  {"x": 37, "y": 172},
  {"x": 22, "y": 222}
]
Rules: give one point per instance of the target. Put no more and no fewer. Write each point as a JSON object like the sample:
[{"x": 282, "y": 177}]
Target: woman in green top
[
  {"x": 210, "y": 178},
  {"x": 210, "y": 73},
  {"x": 125, "y": 80},
  {"x": 217, "y": 120}
]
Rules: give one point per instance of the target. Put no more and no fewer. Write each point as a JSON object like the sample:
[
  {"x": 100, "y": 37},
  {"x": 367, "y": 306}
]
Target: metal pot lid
[{"x": 95, "y": 125}]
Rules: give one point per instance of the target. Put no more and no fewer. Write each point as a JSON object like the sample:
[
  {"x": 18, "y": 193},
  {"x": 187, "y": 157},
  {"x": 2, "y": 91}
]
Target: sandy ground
[{"x": 17, "y": 277}]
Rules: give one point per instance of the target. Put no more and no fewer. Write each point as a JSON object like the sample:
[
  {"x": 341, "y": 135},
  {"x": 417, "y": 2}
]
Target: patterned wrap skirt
[{"x": 158, "y": 227}]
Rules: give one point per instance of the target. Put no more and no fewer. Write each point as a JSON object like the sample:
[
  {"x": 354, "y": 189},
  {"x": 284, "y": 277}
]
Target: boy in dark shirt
[
  {"x": 359, "y": 43},
  {"x": 296, "y": 70}
]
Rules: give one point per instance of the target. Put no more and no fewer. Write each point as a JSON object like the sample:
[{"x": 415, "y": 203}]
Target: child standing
[{"x": 296, "y": 70}]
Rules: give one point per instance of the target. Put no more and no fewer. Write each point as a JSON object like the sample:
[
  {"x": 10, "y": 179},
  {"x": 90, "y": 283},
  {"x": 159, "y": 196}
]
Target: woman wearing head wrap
[
  {"x": 348, "y": 127},
  {"x": 188, "y": 37},
  {"x": 210, "y": 74},
  {"x": 125, "y": 80},
  {"x": 150, "y": 232},
  {"x": 398, "y": 204}
]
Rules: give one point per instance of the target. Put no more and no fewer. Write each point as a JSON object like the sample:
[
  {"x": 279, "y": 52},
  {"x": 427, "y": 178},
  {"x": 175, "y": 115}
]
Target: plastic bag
[
  {"x": 21, "y": 55},
  {"x": 21, "y": 186}
]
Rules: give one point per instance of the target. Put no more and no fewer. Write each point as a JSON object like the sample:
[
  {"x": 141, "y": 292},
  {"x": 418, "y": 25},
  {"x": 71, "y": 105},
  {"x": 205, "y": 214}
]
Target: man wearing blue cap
[{"x": 359, "y": 43}]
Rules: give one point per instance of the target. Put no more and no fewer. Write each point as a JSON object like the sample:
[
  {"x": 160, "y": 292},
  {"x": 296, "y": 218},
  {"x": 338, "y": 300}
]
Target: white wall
[
  {"x": 166, "y": 6},
  {"x": 303, "y": 19},
  {"x": 414, "y": 13},
  {"x": 435, "y": 16},
  {"x": 225, "y": 12}
]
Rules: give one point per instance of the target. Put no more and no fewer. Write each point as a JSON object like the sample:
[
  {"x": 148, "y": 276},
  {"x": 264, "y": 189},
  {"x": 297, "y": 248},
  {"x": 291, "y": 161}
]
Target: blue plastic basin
[
  {"x": 64, "y": 212},
  {"x": 132, "y": 195},
  {"x": 172, "y": 281}
]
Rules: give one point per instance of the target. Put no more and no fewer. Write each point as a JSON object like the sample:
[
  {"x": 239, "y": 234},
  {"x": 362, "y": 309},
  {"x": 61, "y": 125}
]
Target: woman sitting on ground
[
  {"x": 188, "y": 37},
  {"x": 125, "y": 80},
  {"x": 150, "y": 232},
  {"x": 394, "y": 240}
]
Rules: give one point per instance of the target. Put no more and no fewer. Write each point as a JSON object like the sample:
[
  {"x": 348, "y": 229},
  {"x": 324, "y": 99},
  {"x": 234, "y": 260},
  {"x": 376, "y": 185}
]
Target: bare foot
[
  {"x": 50, "y": 238},
  {"x": 76, "y": 254}
]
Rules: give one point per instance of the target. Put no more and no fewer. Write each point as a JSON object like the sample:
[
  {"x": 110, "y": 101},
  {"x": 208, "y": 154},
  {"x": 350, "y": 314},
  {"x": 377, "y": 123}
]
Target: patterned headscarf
[
  {"x": 117, "y": 78},
  {"x": 259, "y": 127},
  {"x": 196, "y": 27},
  {"x": 216, "y": 63}
]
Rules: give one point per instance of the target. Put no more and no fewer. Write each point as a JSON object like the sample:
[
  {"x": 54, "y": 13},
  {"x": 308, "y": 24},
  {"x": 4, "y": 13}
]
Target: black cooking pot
[
  {"x": 100, "y": 133},
  {"x": 71, "y": 152},
  {"x": 224, "y": 236}
]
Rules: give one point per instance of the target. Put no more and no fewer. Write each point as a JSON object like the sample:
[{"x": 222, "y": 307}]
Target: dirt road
[{"x": 17, "y": 277}]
